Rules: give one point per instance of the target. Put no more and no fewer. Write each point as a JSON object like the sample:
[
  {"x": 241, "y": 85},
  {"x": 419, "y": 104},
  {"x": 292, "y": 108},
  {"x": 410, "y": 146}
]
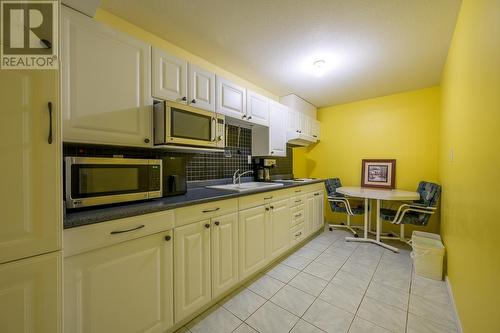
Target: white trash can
[{"x": 428, "y": 255}]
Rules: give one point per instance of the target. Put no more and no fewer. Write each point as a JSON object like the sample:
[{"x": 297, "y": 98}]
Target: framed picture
[{"x": 378, "y": 173}]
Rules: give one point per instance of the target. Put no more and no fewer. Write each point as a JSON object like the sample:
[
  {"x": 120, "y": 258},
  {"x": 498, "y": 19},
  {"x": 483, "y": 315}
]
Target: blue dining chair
[
  {"x": 417, "y": 212},
  {"x": 339, "y": 203}
]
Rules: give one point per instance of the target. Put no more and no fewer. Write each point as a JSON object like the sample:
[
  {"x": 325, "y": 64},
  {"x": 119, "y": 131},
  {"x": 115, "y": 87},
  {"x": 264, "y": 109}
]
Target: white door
[
  {"x": 310, "y": 213},
  {"x": 201, "y": 88},
  {"x": 257, "y": 108},
  {"x": 30, "y": 177},
  {"x": 277, "y": 129},
  {"x": 279, "y": 228},
  {"x": 124, "y": 288},
  {"x": 106, "y": 84},
  {"x": 30, "y": 295},
  {"x": 318, "y": 211},
  {"x": 169, "y": 76},
  {"x": 224, "y": 239},
  {"x": 231, "y": 99},
  {"x": 191, "y": 268},
  {"x": 252, "y": 240}
]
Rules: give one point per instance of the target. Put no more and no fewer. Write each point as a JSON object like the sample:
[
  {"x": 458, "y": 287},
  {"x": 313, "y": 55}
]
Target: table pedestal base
[{"x": 373, "y": 241}]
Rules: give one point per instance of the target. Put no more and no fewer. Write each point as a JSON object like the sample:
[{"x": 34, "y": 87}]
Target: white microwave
[{"x": 180, "y": 124}]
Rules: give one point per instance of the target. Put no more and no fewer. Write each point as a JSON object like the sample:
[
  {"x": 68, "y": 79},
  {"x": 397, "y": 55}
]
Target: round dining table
[{"x": 375, "y": 195}]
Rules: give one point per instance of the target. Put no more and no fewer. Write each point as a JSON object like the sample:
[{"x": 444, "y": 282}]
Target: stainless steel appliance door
[
  {"x": 94, "y": 181},
  {"x": 190, "y": 126}
]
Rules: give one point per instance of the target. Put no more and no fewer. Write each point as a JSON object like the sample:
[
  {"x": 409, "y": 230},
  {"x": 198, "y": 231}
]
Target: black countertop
[{"x": 193, "y": 196}]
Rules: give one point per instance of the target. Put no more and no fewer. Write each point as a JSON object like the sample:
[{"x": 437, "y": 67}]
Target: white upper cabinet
[
  {"x": 169, "y": 76},
  {"x": 257, "y": 109},
  {"x": 106, "y": 84},
  {"x": 271, "y": 141},
  {"x": 30, "y": 175},
  {"x": 201, "y": 88},
  {"x": 315, "y": 129},
  {"x": 231, "y": 99}
]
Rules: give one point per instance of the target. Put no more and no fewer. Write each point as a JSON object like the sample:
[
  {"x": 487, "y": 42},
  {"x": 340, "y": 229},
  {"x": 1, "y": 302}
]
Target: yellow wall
[
  {"x": 402, "y": 126},
  {"x": 139, "y": 33},
  {"x": 471, "y": 182}
]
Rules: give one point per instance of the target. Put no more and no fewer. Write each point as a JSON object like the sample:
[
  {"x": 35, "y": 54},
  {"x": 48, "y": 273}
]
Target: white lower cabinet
[
  {"x": 123, "y": 288},
  {"x": 252, "y": 240},
  {"x": 191, "y": 268},
  {"x": 278, "y": 228},
  {"x": 30, "y": 295},
  {"x": 318, "y": 210},
  {"x": 309, "y": 213},
  {"x": 224, "y": 246}
]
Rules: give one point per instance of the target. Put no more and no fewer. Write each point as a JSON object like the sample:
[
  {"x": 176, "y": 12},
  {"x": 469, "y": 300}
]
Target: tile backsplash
[{"x": 200, "y": 166}]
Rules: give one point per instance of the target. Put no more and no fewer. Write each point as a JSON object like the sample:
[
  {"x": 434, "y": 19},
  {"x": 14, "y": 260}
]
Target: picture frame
[{"x": 378, "y": 173}]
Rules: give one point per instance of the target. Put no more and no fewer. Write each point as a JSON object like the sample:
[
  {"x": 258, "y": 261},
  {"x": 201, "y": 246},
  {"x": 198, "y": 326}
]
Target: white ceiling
[{"x": 371, "y": 47}]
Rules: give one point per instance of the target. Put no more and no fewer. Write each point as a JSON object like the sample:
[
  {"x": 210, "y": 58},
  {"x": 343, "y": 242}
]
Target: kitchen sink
[{"x": 249, "y": 186}]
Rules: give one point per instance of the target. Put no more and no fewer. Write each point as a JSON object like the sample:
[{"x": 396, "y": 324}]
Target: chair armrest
[
  {"x": 411, "y": 208},
  {"x": 344, "y": 201}
]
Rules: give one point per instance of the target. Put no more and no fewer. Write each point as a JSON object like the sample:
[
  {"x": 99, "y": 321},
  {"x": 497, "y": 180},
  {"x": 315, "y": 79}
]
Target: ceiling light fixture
[{"x": 319, "y": 67}]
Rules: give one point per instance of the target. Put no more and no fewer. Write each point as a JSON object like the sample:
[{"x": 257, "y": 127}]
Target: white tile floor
[{"x": 330, "y": 285}]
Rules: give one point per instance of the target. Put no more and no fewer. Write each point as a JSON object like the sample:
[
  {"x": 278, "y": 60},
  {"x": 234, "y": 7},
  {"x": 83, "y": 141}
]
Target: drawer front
[
  {"x": 82, "y": 239},
  {"x": 297, "y": 234},
  {"x": 297, "y": 200},
  {"x": 297, "y": 215},
  {"x": 255, "y": 200},
  {"x": 190, "y": 214}
]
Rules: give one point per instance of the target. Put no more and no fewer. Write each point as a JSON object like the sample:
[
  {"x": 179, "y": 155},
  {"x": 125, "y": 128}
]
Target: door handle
[
  {"x": 214, "y": 132},
  {"x": 49, "y": 139},
  {"x": 211, "y": 210},
  {"x": 127, "y": 230}
]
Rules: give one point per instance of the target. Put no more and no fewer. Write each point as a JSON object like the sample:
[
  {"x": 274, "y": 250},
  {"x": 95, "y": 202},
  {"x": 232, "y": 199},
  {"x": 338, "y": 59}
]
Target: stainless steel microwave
[
  {"x": 180, "y": 124},
  {"x": 91, "y": 181}
]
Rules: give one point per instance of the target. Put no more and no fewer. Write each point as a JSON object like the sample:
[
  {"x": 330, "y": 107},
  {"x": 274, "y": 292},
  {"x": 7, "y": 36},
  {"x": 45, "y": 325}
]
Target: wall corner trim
[{"x": 450, "y": 294}]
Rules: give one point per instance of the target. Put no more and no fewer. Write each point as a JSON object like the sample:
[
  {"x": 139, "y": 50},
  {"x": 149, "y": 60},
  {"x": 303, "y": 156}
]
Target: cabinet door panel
[
  {"x": 309, "y": 212},
  {"x": 30, "y": 295},
  {"x": 201, "y": 89},
  {"x": 121, "y": 288},
  {"x": 224, "y": 239},
  {"x": 318, "y": 211},
  {"x": 277, "y": 129},
  {"x": 106, "y": 87},
  {"x": 191, "y": 268},
  {"x": 279, "y": 228},
  {"x": 231, "y": 98},
  {"x": 30, "y": 177},
  {"x": 257, "y": 108},
  {"x": 252, "y": 240},
  {"x": 169, "y": 76}
]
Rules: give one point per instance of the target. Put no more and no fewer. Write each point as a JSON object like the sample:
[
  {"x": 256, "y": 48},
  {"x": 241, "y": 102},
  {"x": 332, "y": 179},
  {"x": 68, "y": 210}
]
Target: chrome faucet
[{"x": 237, "y": 176}]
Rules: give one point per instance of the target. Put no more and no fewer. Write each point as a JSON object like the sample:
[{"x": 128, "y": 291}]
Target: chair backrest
[
  {"x": 331, "y": 185},
  {"x": 429, "y": 193}
]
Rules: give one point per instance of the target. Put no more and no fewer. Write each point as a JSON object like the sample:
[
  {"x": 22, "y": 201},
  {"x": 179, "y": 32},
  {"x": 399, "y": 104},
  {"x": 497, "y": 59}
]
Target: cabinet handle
[
  {"x": 49, "y": 139},
  {"x": 207, "y": 225},
  {"x": 244, "y": 116},
  {"x": 297, "y": 201},
  {"x": 298, "y": 215},
  {"x": 217, "y": 222},
  {"x": 297, "y": 191},
  {"x": 315, "y": 136},
  {"x": 272, "y": 207},
  {"x": 249, "y": 117},
  {"x": 193, "y": 101},
  {"x": 316, "y": 194},
  {"x": 168, "y": 237},
  {"x": 184, "y": 98},
  {"x": 297, "y": 131},
  {"x": 127, "y": 230},
  {"x": 146, "y": 140},
  {"x": 267, "y": 209},
  {"x": 272, "y": 152},
  {"x": 267, "y": 198},
  {"x": 211, "y": 210}
]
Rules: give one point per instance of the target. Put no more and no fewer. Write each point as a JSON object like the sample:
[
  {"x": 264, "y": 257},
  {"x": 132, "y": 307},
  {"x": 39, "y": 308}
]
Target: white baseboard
[{"x": 450, "y": 294}]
